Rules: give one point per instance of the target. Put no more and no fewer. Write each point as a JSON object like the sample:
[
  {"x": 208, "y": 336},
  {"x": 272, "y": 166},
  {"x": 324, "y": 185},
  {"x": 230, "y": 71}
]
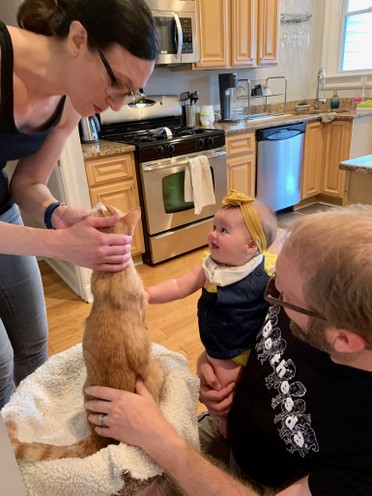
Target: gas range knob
[
  {"x": 210, "y": 140},
  {"x": 160, "y": 150},
  {"x": 200, "y": 143},
  {"x": 171, "y": 148}
]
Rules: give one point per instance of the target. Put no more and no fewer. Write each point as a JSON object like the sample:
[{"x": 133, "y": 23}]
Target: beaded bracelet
[{"x": 49, "y": 212}]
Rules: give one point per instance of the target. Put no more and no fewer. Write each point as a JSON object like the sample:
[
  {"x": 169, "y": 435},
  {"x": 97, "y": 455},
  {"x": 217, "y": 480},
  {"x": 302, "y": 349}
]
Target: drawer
[
  {"x": 123, "y": 196},
  {"x": 111, "y": 169},
  {"x": 241, "y": 143}
]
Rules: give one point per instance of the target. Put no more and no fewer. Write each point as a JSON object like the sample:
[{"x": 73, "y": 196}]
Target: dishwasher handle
[
  {"x": 283, "y": 134},
  {"x": 280, "y": 133}
]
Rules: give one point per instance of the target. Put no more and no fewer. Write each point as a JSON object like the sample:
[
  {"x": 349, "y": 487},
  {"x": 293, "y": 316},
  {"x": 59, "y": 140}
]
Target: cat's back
[{"x": 116, "y": 343}]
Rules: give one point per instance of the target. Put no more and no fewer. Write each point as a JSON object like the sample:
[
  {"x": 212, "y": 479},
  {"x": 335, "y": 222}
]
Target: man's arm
[
  {"x": 136, "y": 419},
  {"x": 299, "y": 488}
]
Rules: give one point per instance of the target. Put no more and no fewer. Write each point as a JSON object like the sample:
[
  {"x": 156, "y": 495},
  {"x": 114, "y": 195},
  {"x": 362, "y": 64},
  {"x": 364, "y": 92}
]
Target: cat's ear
[{"x": 131, "y": 218}]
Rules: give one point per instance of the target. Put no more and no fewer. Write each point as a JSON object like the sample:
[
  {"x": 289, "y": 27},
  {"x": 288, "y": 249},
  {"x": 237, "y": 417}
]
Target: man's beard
[{"x": 314, "y": 334}]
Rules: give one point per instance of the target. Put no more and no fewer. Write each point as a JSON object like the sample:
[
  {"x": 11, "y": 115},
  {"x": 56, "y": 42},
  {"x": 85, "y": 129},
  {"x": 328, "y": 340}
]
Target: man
[{"x": 300, "y": 422}]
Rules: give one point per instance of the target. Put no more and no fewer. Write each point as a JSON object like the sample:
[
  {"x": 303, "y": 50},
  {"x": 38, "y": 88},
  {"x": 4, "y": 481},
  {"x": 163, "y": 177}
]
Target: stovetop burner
[
  {"x": 155, "y": 135},
  {"x": 160, "y": 138}
]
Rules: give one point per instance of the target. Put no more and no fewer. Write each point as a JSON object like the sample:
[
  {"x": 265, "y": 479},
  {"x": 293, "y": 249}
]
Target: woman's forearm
[{"x": 22, "y": 240}]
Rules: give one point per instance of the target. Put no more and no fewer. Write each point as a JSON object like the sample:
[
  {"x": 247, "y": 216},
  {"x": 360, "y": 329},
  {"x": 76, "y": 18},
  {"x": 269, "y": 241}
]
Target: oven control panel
[{"x": 183, "y": 145}]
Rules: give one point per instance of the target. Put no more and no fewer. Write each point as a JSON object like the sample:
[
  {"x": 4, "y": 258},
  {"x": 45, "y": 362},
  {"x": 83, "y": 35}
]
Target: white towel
[
  {"x": 199, "y": 183},
  {"x": 328, "y": 117},
  {"x": 48, "y": 406}
]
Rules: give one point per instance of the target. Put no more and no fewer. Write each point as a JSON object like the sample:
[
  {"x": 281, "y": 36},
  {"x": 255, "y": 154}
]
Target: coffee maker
[{"x": 226, "y": 82}]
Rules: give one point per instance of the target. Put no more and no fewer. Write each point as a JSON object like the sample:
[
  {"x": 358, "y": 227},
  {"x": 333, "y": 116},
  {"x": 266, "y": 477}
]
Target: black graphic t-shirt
[{"x": 297, "y": 413}]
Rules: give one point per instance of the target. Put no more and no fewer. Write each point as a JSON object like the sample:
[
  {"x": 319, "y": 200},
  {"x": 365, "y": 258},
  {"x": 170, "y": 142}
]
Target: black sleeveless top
[{"x": 13, "y": 143}]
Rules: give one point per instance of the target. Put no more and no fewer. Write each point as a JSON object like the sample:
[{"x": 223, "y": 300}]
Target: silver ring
[{"x": 102, "y": 420}]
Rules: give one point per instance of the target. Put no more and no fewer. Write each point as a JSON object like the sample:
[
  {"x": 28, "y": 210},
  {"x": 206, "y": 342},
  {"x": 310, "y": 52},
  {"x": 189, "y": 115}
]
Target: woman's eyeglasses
[
  {"x": 130, "y": 96},
  {"x": 274, "y": 297}
]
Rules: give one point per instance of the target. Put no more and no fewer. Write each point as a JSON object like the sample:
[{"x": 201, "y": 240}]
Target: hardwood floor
[{"x": 173, "y": 324}]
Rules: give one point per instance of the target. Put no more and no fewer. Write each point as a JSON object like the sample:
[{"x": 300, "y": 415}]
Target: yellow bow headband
[{"x": 250, "y": 216}]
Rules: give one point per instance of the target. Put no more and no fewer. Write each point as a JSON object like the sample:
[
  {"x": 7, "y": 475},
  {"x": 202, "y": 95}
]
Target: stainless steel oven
[
  {"x": 163, "y": 149},
  {"x": 172, "y": 225}
]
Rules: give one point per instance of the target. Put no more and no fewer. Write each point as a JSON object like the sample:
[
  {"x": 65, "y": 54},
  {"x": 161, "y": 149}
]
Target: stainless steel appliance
[
  {"x": 89, "y": 128},
  {"x": 279, "y": 165},
  {"x": 176, "y": 23},
  {"x": 225, "y": 83},
  {"x": 163, "y": 148},
  {"x": 188, "y": 102}
]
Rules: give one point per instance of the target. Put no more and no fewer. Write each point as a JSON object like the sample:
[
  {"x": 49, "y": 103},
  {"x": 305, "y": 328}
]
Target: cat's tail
[{"x": 35, "y": 451}]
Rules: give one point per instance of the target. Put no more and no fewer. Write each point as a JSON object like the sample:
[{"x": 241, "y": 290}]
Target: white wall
[
  {"x": 299, "y": 66},
  {"x": 8, "y": 10}
]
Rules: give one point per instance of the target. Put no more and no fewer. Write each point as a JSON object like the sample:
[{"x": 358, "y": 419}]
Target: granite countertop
[
  {"x": 241, "y": 127},
  {"x": 105, "y": 149},
  {"x": 110, "y": 148},
  {"x": 361, "y": 165}
]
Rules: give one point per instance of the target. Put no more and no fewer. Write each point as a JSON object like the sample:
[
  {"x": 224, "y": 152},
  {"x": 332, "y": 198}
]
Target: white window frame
[{"x": 332, "y": 39}]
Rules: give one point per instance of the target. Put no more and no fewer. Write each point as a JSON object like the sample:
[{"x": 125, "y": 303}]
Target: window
[{"x": 356, "y": 36}]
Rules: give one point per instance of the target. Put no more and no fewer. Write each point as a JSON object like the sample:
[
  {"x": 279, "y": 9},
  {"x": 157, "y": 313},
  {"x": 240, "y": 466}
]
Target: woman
[{"x": 69, "y": 58}]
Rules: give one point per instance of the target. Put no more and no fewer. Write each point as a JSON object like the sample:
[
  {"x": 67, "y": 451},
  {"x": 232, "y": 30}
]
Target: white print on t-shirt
[{"x": 295, "y": 424}]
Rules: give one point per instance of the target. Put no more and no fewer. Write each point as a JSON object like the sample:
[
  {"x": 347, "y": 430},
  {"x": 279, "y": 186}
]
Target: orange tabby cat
[{"x": 116, "y": 346}]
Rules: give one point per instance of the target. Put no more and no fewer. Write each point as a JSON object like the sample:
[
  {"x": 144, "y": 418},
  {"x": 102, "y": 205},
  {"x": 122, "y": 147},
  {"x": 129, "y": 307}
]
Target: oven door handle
[{"x": 168, "y": 163}]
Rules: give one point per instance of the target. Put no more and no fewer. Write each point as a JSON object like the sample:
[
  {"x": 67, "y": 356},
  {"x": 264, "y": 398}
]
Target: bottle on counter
[
  {"x": 206, "y": 115},
  {"x": 335, "y": 101},
  {"x": 357, "y": 100}
]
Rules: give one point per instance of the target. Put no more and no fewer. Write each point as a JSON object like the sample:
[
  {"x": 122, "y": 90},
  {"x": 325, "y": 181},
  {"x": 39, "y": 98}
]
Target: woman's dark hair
[{"x": 128, "y": 23}]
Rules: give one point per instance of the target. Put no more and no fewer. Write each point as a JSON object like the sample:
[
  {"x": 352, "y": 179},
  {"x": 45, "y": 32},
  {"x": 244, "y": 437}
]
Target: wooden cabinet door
[
  {"x": 241, "y": 174},
  {"x": 213, "y": 34},
  {"x": 106, "y": 170},
  {"x": 313, "y": 160},
  {"x": 241, "y": 144},
  {"x": 241, "y": 163},
  {"x": 268, "y": 32},
  {"x": 244, "y": 24},
  {"x": 337, "y": 142},
  {"x": 124, "y": 196}
]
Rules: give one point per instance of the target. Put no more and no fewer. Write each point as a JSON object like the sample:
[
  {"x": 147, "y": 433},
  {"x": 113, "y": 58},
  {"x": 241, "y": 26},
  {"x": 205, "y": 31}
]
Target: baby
[{"x": 233, "y": 278}]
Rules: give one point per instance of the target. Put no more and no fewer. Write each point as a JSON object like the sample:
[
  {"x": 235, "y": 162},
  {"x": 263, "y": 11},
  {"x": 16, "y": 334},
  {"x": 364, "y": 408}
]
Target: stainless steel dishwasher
[{"x": 279, "y": 164}]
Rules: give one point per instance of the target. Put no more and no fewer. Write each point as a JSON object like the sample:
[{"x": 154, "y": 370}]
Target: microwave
[{"x": 177, "y": 33}]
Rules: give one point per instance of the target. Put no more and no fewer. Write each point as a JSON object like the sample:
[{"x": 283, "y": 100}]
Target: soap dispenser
[{"x": 335, "y": 101}]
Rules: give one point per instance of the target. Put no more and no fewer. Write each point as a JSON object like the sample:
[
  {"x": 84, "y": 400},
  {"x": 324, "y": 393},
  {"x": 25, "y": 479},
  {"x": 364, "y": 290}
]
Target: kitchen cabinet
[
  {"x": 268, "y": 32},
  {"x": 326, "y": 145},
  {"x": 313, "y": 160},
  {"x": 112, "y": 181},
  {"x": 358, "y": 180},
  {"x": 337, "y": 141},
  {"x": 237, "y": 33},
  {"x": 358, "y": 186},
  {"x": 241, "y": 163}
]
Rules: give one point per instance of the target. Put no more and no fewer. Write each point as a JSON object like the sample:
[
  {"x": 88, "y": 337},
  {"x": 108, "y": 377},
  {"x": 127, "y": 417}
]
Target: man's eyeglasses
[
  {"x": 129, "y": 95},
  {"x": 274, "y": 297}
]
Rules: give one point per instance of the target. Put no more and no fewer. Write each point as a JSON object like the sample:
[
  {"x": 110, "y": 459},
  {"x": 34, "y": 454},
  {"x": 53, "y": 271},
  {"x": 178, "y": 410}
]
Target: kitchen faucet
[{"x": 320, "y": 83}]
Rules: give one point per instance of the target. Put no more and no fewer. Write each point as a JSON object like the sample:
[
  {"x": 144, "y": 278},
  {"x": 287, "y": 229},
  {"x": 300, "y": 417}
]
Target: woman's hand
[
  {"x": 132, "y": 418},
  {"x": 82, "y": 244},
  {"x": 216, "y": 398},
  {"x": 64, "y": 216}
]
